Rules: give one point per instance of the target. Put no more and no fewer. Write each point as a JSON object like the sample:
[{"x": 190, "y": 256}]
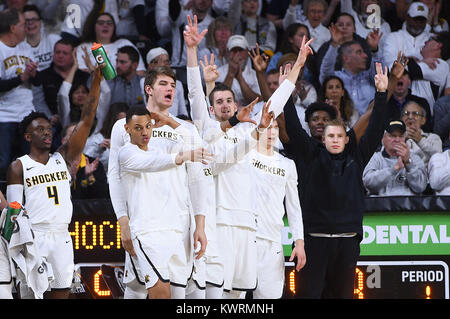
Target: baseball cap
[
  {"x": 418, "y": 9},
  {"x": 237, "y": 41},
  {"x": 153, "y": 53},
  {"x": 395, "y": 125}
]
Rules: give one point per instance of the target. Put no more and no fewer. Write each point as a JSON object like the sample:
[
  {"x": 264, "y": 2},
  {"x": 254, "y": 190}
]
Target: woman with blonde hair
[{"x": 216, "y": 40}]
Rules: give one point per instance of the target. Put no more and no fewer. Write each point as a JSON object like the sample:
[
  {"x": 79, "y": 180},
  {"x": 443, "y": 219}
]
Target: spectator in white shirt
[
  {"x": 431, "y": 74},
  {"x": 439, "y": 173},
  {"x": 411, "y": 38},
  {"x": 238, "y": 73},
  {"x": 361, "y": 13},
  {"x": 254, "y": 27},
  {"x": 314, "y": 14}
]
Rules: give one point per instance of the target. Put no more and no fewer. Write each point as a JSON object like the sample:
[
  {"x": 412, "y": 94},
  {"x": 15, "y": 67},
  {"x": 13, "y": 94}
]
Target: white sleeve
[
  {"x": 199, "y": 184},
  {"x": 438, "y": 75},
  {"x": 293, "y": 208},
  {"x": 64, "y": 103},
  {"x": 163, "y": 26},
  {"x": 116, "y": 192},
  {"x": 133, "y": 160},
  {"x": 280, "y": 97},
  {"x": 209, "y": 128},
  {"x": 14, "y": 193},
  {"x": 438, "y": 170},
  {"x": 290, "y": 16},
  {"x": 103, "y": 104},
  {"x": 430, "y": 144}
]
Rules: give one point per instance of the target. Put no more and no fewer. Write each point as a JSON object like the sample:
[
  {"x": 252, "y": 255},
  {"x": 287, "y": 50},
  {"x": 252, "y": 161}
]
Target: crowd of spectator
[{"x": 47, "y": 66}]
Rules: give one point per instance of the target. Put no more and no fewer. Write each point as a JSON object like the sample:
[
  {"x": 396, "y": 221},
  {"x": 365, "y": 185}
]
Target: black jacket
[{"x": 330, "y": 186}]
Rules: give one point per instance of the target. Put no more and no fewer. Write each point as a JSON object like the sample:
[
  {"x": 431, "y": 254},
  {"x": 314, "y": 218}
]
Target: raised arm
[
  {"x": 75, "y": 145},
  {"x": 374, "y": 132},
  {"x": 395, "y": 74},
  {"x": 260, "y": 64}
]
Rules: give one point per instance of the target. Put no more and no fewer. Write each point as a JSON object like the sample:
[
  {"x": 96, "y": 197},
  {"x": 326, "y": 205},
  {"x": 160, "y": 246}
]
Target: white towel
[{"x": 31, "y": 268}]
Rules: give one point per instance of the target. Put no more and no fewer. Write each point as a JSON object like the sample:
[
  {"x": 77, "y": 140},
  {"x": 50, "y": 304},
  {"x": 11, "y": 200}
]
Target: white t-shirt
[
  {"x": 276, "y": 181},
  {"x": 16, "y": 103},
  {"x": 438, "y": 76},
  {"x": 75, "y": 18},
  {"x": 43, "y": 52},
  {"x": 126, "y": 25}
]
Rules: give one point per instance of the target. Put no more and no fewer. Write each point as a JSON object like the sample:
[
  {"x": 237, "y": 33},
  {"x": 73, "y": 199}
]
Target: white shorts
[
  {"x": 214, "y": 270},
  {"x": 270, "y": 270},
  {"x": 161, "y": 256},
  {"x": 238, "y": 247},
  {"x": 56, "y": 247}
]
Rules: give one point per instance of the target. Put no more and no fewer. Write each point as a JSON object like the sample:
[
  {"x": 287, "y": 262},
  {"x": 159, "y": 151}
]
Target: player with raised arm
[
  {"x": 235, "y": 213},
  {"x": 277, "y": 195},
  {"x": 41, "y": 182}
]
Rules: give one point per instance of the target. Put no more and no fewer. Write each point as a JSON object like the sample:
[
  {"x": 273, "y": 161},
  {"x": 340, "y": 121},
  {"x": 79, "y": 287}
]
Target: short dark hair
[
  {"x": 152, "y": 75},
  {"x": 26, "y": 121},
  {"x": 8, "y": 17},
  {"x": 343, "y": 49},
  {"x": 219, "y": 87},
  {"x": 345, "y": 14},
  {"x": 65, "y": 41},
  {"x": 444, "y": 39},
  {"x": 272, "y": 71},
  {"x": 136, "y": 110},
  {"x": 32, "y": 7},
  {"x": 319, "y": 106},
  {"x": 132, "y": 53}
]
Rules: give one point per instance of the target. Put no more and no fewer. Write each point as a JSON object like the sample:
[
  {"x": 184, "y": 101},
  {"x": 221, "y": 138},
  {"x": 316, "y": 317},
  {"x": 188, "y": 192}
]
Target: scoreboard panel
[{"x": 405, "y": 254}]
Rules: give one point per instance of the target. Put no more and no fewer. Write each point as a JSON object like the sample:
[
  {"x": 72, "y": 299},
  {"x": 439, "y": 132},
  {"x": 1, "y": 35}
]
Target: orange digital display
[{"x": 393, "y": 280}]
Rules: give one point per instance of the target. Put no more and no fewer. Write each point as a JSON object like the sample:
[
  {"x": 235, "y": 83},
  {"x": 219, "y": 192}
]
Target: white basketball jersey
[{"x": 47, "y": 191}]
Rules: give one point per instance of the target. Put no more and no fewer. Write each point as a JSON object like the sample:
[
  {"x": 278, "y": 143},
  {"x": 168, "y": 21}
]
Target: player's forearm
[{"x": 191, "y": 54}]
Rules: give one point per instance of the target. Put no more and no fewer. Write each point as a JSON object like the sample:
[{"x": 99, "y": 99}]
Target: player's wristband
[{"x": 233, "y": 120}]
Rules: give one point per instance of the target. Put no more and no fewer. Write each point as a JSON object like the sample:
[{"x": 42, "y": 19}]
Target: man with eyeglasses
[
  {"x": 395, "y": 170},
  {"x": 38, "y": 40},
  {"x": 316, "y": 12},
  {"x": 419, "y": 142}
]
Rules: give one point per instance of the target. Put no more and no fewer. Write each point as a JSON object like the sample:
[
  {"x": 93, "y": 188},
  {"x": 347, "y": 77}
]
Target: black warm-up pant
[{"x": 329, "y": 271}]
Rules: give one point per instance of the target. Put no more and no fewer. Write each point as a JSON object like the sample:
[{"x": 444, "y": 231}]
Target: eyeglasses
[
  {"x": 103, "y": 22},
  {"x": 415, "y": 114},
  {"x": 32, "y": 20}
]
